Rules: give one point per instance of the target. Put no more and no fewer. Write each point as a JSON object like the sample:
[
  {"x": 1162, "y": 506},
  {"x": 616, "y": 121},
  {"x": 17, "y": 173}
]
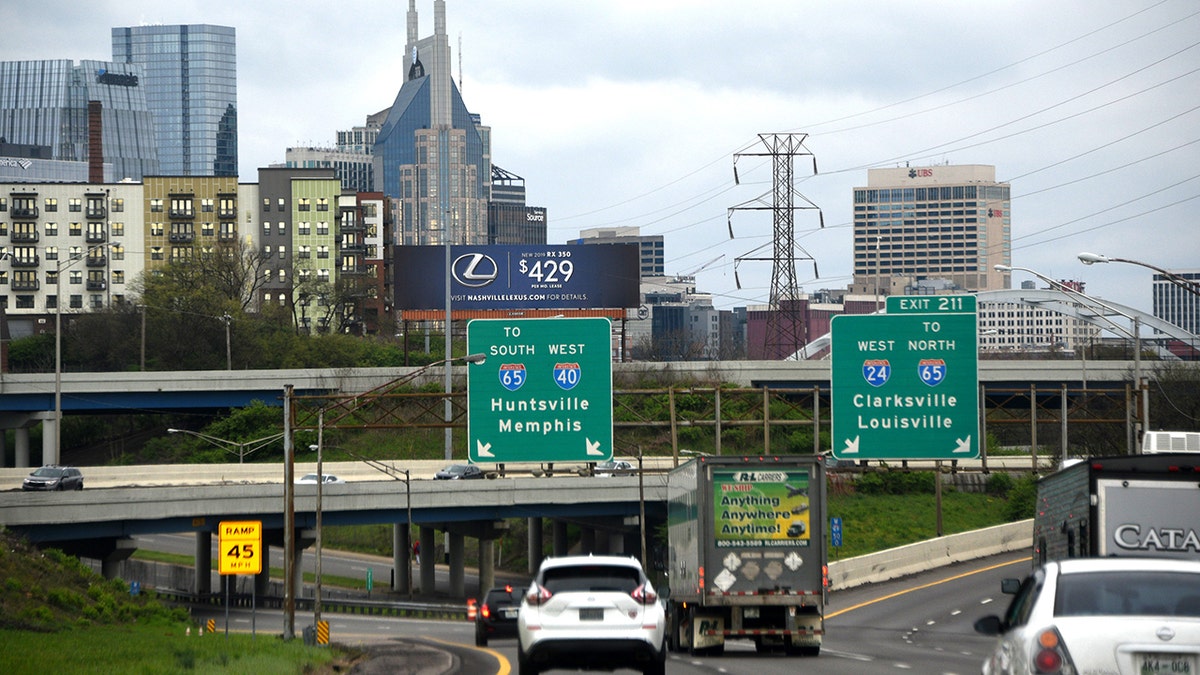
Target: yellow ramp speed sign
[{"x": 240, "y": 544}]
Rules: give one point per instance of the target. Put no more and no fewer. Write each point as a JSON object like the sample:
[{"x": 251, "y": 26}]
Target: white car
[
  {"x": 1124, "y": 616},
  {"x": 591, "y": 612},
  {"x": 615, "y": 467},
  {"x": 311, "y": 479}
]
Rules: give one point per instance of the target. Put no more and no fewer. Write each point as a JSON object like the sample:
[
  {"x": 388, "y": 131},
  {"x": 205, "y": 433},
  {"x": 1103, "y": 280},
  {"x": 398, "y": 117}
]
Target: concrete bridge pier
[
  {"x": 487, "y": 565},
  {"x": 121, "y": 549},
  {"x": 262, "y": 580},
  {"x": 20, "y": 424},
  {"x": 401, "y": 558},
  {"x": 426, "y": 535},
  {"x": 202, "y": 581},
  {"x": 534, "y": 526},
  {"x": 49, "y": 430},
  {"x": 559, "y": 535},
  {"x": 457, "y": 565}
]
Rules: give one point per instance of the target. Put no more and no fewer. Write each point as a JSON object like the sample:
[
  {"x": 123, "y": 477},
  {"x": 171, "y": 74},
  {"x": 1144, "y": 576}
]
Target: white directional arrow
[
  {"x": 851, "y": 446},
  {"x": 964, "y": 444},
  {"x": 593, "y": 449},
  {"x": 483, "y": 449}
]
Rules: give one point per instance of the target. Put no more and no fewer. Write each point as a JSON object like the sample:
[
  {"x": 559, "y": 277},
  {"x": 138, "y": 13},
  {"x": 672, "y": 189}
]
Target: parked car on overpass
[{"x": 53, "y": 477}]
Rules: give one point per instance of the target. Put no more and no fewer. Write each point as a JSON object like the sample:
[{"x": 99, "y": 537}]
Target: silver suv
[{"x": 591, "y": 612}]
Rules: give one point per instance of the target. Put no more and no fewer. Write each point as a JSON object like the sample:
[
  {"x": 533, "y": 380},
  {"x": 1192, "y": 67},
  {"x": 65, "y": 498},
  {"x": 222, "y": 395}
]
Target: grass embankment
[{"x": 57, "y": 616}]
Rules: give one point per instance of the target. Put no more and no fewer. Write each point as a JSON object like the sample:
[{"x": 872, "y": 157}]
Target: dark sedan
[
  {"x": 54, "y": 478},
  {"x": 459, "y": 472}
]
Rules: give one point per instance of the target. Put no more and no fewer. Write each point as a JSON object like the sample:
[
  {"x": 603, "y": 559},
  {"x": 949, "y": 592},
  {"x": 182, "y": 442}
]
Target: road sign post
[
  {"x": 906, "y": 385},
  {"x": 544, "y": 394}
]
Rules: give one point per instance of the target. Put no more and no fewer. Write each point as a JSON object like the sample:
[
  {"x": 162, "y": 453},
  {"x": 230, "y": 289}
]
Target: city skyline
[{"x": 617, "y": 114}]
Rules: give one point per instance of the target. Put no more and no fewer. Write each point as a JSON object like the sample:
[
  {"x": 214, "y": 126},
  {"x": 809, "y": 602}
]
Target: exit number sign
[{"x": 906, "y": 384}]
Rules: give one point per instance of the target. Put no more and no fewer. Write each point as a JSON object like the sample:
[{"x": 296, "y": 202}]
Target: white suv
[{"x": 591, "y": 612}]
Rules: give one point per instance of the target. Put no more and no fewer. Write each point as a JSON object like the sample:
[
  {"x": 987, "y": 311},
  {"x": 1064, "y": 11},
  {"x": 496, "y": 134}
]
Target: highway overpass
[{"x": 27, "y": 399}]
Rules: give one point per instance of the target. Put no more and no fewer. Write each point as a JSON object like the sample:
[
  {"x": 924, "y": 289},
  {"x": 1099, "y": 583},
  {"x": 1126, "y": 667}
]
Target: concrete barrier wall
[{"x": 898, "y": 562}]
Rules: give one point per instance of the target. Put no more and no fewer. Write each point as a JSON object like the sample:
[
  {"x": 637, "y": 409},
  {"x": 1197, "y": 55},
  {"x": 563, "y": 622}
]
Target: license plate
[
  {"x": 591, "y": 613},
  {"x": 1166, "y": 664},
  {"x": 511, "y": 612}
]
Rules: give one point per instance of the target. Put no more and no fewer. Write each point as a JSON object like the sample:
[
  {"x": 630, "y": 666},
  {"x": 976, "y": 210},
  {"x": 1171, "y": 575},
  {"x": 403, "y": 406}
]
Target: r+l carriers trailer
[
  {"x": 747, "y": 553},
  {"x": 1129, "y": 505}
]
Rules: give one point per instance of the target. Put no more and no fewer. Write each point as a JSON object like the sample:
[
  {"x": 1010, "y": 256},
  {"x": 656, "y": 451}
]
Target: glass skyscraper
[
  {"x": 191, "y": 90},
  {"x": 45, "y": 103}
]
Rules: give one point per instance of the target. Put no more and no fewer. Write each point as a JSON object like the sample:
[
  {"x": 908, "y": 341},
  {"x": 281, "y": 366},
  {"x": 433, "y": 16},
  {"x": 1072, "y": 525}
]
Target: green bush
[
  {"x": 895, "y": 483},
  {"x": 999, "y": 484},
  {"x": 1022, "y": 499}
]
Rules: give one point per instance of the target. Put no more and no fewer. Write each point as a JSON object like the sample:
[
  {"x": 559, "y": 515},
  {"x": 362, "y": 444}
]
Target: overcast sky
[{"x": 629, "y": 112}]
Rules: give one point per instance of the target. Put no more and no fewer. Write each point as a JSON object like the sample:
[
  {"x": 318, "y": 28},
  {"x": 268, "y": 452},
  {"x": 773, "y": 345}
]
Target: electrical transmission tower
[{"x": 785, "y": 333}]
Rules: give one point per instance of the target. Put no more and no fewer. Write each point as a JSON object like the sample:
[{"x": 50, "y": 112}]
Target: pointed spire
[{"x": 412, "y": 23}]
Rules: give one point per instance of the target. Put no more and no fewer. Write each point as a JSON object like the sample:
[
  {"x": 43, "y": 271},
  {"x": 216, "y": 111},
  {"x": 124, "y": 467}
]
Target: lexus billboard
[{"x": 591, "y": 276}]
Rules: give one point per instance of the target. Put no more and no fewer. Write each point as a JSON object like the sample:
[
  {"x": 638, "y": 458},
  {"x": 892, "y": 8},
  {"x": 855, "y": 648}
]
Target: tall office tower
[
  {"x": 510, "y": 221},
  {"x": 191, "y": 89},
  {"x": 650, "y": 247},
  {"x": 1175, "y": 303},
  {"x": 924, "y": 229},
  {"x": 432, "y": 156},
  {"x": 46, "y": 103},
  {"x": 350, "y": 159}
]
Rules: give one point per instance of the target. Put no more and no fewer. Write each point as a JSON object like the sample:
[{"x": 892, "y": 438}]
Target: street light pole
[
  {"x": 59, "y": 266},
  {"x": 320, "y": 486},
  {"x": 1187, "y": 285},
  {"x": 1136, "y": 334},
  {"x": 258, "y": 443}
]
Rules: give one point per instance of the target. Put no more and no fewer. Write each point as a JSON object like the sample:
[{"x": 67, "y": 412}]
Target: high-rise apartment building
[
  {"x": 432, "y": 156},
  {"x": 651, "y": 252},
  {"x": 191, "y": 89},
  {"x": 916, "y": 225},
  {"x": 46, "y": 103},
  {"x": 77, "y": 244}
]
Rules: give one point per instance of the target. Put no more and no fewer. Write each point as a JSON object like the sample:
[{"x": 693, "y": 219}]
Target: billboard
[
  {"x": 761, "y": 508},
  {"x": 482, "y": 277}
]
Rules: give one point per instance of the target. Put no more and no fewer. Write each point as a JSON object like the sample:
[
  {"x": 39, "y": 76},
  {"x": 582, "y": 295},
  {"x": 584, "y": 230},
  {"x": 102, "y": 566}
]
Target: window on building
[
  {"x": 207, "y": 229},
  {"x": 282, "y": 276},
  {"x": 51, "y": 204},
  {"x": 282, "y": 251},
  {"x": 118, "y": 205},
  {"x": 156, "y": 253},
  {"x": 156, "y": 205},
  {"x": 118, "y": 229},
  {"x": 322, "y": 275},
  {"x": 76, "y": 229},
  {"x": 206, "y": 205},
  {"x": 282, "y": 204},
  {"x": 51, "y": 229},
  {"x": 304, "y": 204},
  {"x": 323, "y": 203},
  {"x": 75, "y": 277},
  {"x": 282, "y": 227},
  {"x": 156, "y": 229},
  {"x": 75, "y": 205},
  {"x": 322, "y": 228},
  {"x": 304, "y": 227},
  {"x": 322, "y": 251},
  {"x": 266, "y": 204},
  {"x": 118, "y": 276},
  {"x": 304, "y": 252}
]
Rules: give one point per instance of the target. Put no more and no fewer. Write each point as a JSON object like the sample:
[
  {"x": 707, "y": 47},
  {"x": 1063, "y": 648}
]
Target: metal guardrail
[{"x": 392, "y": 608}]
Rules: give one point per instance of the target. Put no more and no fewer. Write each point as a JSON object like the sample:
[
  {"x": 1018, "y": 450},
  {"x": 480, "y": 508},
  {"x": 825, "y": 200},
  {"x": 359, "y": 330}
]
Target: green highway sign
[
  {"x": 905, "y": 386},
  {"x": 544, "y": 394}
]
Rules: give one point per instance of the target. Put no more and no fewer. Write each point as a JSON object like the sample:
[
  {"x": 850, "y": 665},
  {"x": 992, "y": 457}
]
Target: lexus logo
[{"x": 474, "y": 270}]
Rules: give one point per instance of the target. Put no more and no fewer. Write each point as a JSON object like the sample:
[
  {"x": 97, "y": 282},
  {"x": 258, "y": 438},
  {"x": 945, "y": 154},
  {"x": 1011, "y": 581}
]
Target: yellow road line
[
  {"x": 932, "y": 583},
  {"x": 505, "y": 666}
]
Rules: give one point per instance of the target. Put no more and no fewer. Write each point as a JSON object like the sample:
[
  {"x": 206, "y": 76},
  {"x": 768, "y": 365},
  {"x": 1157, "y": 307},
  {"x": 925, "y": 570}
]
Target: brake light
[
  {"x": 644, "y": 594},
  {"x": 484, "y": 611},
  {"x": 1051, "y": 654},
  {"x": 537, "y": 595}
]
